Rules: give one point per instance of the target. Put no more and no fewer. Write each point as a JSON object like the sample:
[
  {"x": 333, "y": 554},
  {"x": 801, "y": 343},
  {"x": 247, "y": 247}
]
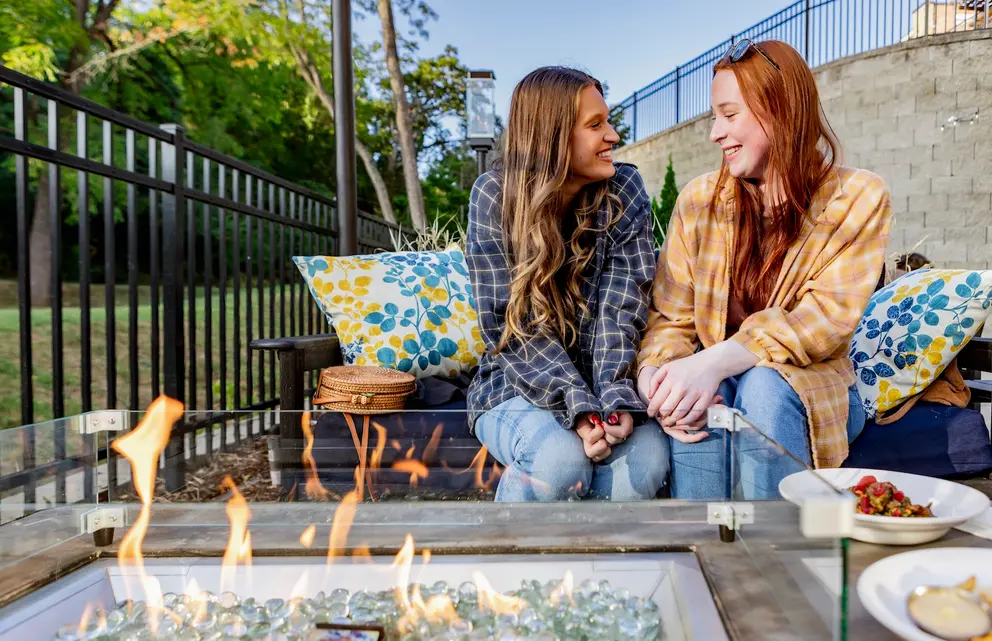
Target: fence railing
[
  {"x": 822, "y": 30},
  {"x": 203, "y": 242}
]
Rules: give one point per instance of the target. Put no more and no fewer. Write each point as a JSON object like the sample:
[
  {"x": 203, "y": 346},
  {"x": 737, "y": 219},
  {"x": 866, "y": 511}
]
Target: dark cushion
[
  {"x": 448, "y": 463},
  {"x": 931, "y": 439}
]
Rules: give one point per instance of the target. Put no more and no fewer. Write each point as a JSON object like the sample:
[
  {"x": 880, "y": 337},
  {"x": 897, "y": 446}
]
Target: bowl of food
[{"x": 892, "y": 508}]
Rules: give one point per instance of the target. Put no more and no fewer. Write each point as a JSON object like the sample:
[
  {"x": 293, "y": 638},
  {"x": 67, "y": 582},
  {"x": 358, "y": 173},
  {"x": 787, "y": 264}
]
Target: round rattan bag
[{"x": 360, "y": 389}]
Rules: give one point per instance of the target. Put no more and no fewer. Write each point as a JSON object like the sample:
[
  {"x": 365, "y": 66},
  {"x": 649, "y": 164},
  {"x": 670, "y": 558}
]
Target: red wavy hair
[{"x": 802, "y": 152}]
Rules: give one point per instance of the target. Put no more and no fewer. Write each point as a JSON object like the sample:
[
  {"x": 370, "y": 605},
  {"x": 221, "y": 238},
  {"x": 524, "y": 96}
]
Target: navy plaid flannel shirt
[{"x": 597, "y": 373}]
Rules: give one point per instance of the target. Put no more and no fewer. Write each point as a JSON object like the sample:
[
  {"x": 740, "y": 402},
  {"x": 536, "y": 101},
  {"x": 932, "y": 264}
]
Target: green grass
[{"x": 42, "y": 364}]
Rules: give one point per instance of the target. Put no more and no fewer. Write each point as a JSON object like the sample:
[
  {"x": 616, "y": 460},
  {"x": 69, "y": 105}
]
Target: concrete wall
[{"x": 887, "y": 107}]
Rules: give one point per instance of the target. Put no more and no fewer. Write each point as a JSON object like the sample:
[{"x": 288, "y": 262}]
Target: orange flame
[
  {"x": 479, "y": 465},
  {"x": 343, "y": 517},
  {"x": 144, "y": 444},
  {"x": 395, "y": 445},
  {"x": 438, "y": 608},
  {"x": 142, "y": 448},
  {"x": 403, "y": 562},
  {"x": 493, "y": 600},
  {"x": 564, "y": 591},
  {"x": 494, "y": 475},
  {"x": 432, "y": 444},
  {"x": 380, "y": 446},
  {"x": 199, "y": 606},
  {"x": 409, "y": 452},
  {"x": 416, "y": 469},
  {"x": 362, "y": 554},
  {"x": 238, "y": 550},
  {"x": 306, "y": 539},
  {"x": 102, "y": 619},
  {"x": 313, "y": 489},
  {"x": 84, "y": 621}
]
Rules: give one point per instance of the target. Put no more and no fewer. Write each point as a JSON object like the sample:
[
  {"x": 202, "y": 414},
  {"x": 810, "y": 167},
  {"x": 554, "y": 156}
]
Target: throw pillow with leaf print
[
  {"x": 410, "y": 311},
  {"x": 912, "y": 329}
]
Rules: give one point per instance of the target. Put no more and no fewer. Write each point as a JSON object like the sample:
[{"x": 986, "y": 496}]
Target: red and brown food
[{"x": 884, "y": 499}]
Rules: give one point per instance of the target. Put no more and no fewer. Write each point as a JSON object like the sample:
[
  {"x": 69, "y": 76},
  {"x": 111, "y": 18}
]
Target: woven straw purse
[{"x": 359, "y": 389}]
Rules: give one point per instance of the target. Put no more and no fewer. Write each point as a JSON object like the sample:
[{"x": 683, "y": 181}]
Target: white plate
[
  {"x": 952, "y": 503},
  {"x": 885, "y": 585}
]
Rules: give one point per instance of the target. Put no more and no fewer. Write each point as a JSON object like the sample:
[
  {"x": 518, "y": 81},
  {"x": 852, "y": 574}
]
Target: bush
[{"x": 662, "y": 212}]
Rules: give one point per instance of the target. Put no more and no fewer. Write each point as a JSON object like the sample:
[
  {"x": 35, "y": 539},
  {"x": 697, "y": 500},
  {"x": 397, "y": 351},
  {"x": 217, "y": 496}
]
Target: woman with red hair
[{"x": 764, "y": 275}]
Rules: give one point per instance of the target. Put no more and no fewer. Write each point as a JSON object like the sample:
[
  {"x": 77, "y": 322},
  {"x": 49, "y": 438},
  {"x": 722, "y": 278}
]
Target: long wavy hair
[
  {"x": 802, "y": 153},
  {"x": 546, "y": 266}
]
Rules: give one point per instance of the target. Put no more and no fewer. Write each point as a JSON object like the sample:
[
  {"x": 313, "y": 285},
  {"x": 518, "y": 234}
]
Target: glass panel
[
  {"x": 46, "y": 464},
  {"x": 352, "y": 488},
  {"x": 280, "y": 457},
  {"x": 803, "y": 569}
]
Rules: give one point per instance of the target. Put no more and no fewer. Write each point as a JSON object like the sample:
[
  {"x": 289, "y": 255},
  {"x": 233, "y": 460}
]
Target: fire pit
[
  {"x": 416, "y": 570},
  {"x": 615, "y": 596}
]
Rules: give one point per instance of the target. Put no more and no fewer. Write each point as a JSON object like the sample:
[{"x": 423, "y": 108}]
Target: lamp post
[
  {"x": 480, "y": 105},
  {"x": 344, "y": 139}
]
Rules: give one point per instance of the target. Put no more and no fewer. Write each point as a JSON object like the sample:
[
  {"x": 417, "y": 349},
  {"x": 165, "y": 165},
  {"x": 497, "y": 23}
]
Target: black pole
[
  {"x": 174, "y": 367},
  {"x": 806, "y": 15},
  {"x": 480, "y": 155},
  {"x": 344, "y": 113}
]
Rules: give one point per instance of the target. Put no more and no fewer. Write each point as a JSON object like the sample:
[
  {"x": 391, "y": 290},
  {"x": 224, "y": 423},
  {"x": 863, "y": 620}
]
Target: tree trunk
[
  {"x": 40, "y": 245},
  {"x": 40, "y": 237},
  {"x": 310, "y": 74},
  {"x": 381, "y": 192},
  {"x": 404, "y": 121}
]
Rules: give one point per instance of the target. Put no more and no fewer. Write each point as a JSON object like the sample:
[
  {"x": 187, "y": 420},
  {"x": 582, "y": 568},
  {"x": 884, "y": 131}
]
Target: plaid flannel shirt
[
  {"x": 826, "y": 280},
  {"x": 596, "y": 374}
]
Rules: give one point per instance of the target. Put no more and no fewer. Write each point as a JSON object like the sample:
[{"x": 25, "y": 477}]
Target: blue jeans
[
  {"x": 702, "y": 470},
  {"x": 546, "y": 462}
]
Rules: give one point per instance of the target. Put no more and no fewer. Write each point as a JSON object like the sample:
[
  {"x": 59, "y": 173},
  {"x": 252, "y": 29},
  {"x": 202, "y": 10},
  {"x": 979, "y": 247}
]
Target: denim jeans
[
  {"x": 546, "y": 462},
  {"x": 703, "y": 470}
]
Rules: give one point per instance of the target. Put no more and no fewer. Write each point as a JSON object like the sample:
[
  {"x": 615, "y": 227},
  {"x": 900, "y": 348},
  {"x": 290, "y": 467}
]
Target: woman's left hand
[
  {"x": 683, "y": 389},
  {"x": 618, "y": 426}
]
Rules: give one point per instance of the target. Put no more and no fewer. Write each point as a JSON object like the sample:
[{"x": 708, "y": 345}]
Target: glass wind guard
[
  {"x": 311, "y": 490},
  {"x": 794, "y": 532}
]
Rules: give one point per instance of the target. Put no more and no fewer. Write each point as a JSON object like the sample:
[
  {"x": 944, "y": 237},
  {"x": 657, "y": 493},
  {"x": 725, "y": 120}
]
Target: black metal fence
[
  {"x": 204, "y": 242},
  {"x": 822, "y": 30}
]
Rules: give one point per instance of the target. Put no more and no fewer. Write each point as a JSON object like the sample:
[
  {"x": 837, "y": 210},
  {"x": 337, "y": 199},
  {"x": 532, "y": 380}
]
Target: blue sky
[{"x": 625, "y": 43}]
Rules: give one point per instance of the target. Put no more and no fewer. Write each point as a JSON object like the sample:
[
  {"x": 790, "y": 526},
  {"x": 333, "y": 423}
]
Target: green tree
[
  {"x": 619, "y": 124},
  {"x": 663, "y": 211},
  {"x": 69, "y": 42},
  {"x": 448, "y": 185}
]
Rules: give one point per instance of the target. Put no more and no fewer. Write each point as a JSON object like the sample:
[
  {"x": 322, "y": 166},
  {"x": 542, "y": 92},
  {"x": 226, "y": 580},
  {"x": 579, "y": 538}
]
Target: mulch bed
[{"x": 248, "y": 467}]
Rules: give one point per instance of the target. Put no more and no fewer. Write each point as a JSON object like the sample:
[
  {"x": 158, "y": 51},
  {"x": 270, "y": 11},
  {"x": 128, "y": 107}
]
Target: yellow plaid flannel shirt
[{"x": 827, "y": 278}]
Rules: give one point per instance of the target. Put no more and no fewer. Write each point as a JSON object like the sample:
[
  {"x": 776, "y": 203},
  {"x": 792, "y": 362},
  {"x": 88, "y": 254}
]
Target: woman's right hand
[{"x": 593, "y": 439}]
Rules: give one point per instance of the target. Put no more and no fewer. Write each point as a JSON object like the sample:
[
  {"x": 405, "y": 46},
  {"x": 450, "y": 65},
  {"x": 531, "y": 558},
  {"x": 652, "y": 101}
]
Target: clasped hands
[
  {"x": 599, "y": 436},
  {"x": 679, "y": 392}
]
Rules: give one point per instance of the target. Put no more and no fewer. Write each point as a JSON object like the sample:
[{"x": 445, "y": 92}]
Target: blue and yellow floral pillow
[
  {"x": 913, "y": 328},
  {"x": 411, "y": 311}
]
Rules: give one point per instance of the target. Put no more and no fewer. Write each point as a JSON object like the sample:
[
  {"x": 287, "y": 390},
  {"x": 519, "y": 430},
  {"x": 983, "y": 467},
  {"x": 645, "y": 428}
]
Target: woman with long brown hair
[
  {"x": 766, "y": 270},
  {"x": 559, "y": 252}
]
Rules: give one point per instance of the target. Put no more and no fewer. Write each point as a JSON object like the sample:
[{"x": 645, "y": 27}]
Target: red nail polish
[{"x": 614, "y": 419}]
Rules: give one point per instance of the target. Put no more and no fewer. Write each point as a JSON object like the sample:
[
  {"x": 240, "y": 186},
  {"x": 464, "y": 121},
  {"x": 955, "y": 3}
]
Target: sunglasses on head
[{"x": 742, "y": 47}]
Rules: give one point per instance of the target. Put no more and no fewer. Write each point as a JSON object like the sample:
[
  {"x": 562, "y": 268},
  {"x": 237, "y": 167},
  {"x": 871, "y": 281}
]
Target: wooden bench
[{"x": 301, "y": 355}]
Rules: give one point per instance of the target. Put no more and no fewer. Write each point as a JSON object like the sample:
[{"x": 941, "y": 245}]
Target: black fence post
[
  {"x": 678, "y": 84},
  {"x": 633, "y": 128},
  {"x": 174, "y": 366},
  {"x": 806, "y": 15}
]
